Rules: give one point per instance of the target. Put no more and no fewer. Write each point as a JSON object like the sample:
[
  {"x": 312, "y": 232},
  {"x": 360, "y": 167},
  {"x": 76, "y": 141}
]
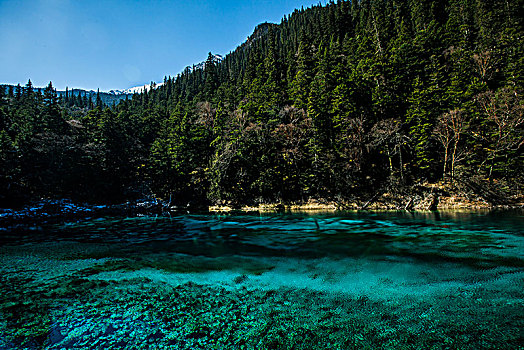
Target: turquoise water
[
  {"x": 478, "y": 238},
  {"x": 301, "y": 280}
]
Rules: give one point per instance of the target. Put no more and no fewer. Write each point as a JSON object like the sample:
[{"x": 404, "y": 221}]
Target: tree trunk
[
  {"x": 445, "y": 163},
  {"x": 454, "y": 156},
  {"x": 401, "y": 166},
  {"x": 390, "y": 162}
]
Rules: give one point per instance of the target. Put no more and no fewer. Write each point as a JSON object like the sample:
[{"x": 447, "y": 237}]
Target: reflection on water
[{"x": 470, "y": 237}]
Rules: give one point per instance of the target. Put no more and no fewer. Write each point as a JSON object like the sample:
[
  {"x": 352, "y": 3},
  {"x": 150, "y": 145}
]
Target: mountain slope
[{"x": 338, "y": 101}]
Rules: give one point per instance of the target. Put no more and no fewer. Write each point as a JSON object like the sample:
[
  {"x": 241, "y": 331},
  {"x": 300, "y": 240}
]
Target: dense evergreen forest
[{"x": 336, "y": 101}]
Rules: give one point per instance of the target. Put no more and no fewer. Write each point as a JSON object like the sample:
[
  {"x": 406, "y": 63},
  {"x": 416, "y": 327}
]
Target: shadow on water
[{"x": 474, "y": 238}]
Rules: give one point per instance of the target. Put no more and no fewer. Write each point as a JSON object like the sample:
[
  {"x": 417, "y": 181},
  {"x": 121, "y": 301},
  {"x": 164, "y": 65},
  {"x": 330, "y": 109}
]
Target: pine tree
[
  {"x": 211, "y": 78},
  {"x": 99, "y": 103},
  {"x": 299, "y": 87},
  {"x": 51, "y": 113},
  {"x": 420, "y": 118}
]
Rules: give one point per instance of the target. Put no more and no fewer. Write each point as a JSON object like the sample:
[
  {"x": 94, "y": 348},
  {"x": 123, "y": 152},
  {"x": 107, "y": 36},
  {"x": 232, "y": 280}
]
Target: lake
[{"x": 344, "y": 280}]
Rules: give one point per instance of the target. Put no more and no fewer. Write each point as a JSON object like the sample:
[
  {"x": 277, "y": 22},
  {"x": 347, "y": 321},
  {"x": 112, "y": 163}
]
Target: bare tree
[
  {"x": 354, "y": 137},
  {"x": 504, "y": 112},
  {"x": 387, "y": 133},
  {"x": 484, "y": 65},
  {"x": 206, "y": 114},
  {"x": 450, "y": 126}
]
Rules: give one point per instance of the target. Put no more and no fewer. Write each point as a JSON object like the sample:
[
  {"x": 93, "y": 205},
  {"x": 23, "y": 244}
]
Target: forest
[{"x": 336, "y": 101}]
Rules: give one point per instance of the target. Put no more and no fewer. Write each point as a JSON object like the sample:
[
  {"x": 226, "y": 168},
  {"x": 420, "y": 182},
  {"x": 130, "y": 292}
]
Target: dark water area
[
  {"x": 482, "y": 238},
  {"x": 334, "y": 280}
]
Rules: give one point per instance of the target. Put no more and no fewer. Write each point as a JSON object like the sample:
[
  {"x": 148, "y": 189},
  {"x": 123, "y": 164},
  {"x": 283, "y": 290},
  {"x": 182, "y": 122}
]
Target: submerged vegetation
[
  {"x": 144, "y": 314},
  {"x": 362, "y": 280},
  {"x": 335, "y": 101}
]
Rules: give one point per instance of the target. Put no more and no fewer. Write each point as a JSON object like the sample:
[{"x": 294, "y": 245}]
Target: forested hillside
[{"x": 335, "y": 101}]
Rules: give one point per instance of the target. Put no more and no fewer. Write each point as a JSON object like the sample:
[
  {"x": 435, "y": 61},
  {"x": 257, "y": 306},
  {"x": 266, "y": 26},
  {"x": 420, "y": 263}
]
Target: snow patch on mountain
[
  {"x": 140, "y": 89},
  {"x": 136, "y": 89}
]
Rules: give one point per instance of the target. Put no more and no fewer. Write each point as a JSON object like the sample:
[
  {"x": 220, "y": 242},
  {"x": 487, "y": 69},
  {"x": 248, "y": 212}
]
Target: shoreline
[
  {"x": 47, "y": 210},
  {"x": 384, "y": 202}
]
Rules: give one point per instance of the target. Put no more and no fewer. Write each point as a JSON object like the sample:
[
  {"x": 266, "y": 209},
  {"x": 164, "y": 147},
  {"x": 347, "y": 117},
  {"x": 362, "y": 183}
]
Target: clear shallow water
[{"x": 330, "y": 280}]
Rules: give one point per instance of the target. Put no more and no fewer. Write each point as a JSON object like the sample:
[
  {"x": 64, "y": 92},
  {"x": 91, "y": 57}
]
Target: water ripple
[{"x": 476, "y": 237}]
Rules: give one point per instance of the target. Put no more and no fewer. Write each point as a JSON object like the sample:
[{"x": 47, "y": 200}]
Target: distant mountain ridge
[
  {"x": 108, "y": 98},
  {"x": 114, "y": 96}
]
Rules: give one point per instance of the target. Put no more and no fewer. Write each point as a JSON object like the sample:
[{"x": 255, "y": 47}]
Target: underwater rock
[
  {"x": 109, "y": 330},
  {"x": 240, "y": 279},
  {"x": 56, "y": 336}
]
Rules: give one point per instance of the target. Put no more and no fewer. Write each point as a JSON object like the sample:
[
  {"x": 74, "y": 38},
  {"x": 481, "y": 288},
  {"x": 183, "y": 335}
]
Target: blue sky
[{"x": 109, "y": 44}]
